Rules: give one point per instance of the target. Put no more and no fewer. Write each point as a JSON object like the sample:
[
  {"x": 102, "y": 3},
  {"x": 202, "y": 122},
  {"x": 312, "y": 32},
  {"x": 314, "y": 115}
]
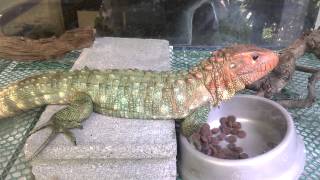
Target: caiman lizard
[{"x": 184, "y": 95}]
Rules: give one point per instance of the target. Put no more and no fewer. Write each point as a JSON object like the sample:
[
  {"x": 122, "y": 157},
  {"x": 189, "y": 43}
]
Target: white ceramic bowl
[{"x": 265, "y": 122}]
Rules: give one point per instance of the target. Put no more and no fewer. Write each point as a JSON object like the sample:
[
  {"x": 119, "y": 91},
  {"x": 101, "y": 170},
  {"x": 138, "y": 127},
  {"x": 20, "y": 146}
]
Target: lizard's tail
[{"x": 35, "y": 91}]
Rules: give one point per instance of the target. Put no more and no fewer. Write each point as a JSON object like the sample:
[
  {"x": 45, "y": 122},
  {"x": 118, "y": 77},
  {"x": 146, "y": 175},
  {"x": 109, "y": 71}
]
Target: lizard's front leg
[
  {"x": 79, "y": 108},
  {"x": 195, "y": 120}
]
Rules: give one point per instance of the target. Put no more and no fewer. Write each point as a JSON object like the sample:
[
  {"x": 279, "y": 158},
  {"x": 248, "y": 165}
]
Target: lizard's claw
[
  {"x": 70, "y": 136},
  {"x": 53, "y": 133}
]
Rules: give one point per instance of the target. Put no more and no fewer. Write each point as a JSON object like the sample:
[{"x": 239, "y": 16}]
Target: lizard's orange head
[
  {"x": 247, "y": 63},
  {"x": 230, "y": 69}
]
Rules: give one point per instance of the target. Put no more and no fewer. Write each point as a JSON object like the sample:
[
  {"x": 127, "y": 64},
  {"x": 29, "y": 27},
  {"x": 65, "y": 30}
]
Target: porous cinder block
[
  {"x": 144, "y": 169},
  {"x": 125, "y": 53},
  {"x": 104, "y": 137},
  {"x": 107, "y": 147}
]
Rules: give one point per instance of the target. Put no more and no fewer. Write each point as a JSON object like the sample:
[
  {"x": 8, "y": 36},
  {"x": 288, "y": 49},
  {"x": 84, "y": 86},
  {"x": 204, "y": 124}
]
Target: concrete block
[
  {"x": 106, "y": 146},
  {"x": 104, "y": 137},
  {"x": 125, "y": 53},
  {"x": 144, "y": 169}
]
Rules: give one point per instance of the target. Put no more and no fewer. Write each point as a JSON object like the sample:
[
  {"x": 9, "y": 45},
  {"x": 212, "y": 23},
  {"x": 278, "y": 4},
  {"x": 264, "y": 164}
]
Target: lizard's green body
[{"x": 181, "y": 95}]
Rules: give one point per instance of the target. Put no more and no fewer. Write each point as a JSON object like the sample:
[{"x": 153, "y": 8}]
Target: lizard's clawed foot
[
  {"x": 70, "y": 136},
  {"x": 195, "y": 120},
  {"x": 52, "y": 135},
  {"x": 79, "y": 108}
]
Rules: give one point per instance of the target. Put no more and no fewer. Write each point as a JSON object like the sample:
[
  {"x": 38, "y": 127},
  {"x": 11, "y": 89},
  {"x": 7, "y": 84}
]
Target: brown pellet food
[
  {"x": 215, "y": 130},
  {"x": 205, "y": 126},
  {"x": 222, "y": 126},
  {"x": 237, "y": 149},
  {"x": 231, "y": 119},
  {"x": 214, "y": 149},
  {"x": 217, "y": 147},
  {"x": 226, "y": 152},
  {"x": 234, "y": 131},
  {"x": 230, "y": 139},
  {"x": 204, "y": 139},
  {"x": 237, "y": 125},
  {"x": 232, "y": 155},
  {"x": 241, "y": 134},
  {"x": 243, "y": 156},
  {"x": 230, "y": 124},
  {"x": 220, "y": 155},
  {"x": 208, "y": 140},
  {"x": 231, "y": 146},
  {"x": 225, "y": 130},
  {"x": 205, "y": 130},
  {"x": 223, "y": 121},
  {"x": 214, "y": 140},
  {"x": 221, "y": 136}
]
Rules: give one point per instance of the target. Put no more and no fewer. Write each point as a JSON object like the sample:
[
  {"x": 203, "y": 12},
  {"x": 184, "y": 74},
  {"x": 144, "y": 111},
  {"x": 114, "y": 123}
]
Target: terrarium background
[
  {"x": 187, "y": 22},
  {"x": 271, "y": 23}
]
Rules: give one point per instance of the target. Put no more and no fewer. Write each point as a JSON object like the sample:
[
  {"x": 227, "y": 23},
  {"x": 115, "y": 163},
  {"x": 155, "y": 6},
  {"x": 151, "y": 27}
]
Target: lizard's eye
[{"x": 255, "y": 56}]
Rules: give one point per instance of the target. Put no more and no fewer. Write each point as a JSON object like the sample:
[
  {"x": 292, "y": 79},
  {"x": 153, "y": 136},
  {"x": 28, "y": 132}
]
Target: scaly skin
[{"x": 182, "y": 95}]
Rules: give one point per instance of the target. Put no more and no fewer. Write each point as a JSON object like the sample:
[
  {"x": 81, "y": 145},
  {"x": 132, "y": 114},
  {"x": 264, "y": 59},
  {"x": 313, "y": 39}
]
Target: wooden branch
[
  {"x": 311, "y": 97},
  {"x": 282, "y": 74},
  {"x": 25, "y": 49},
  {"x": 307, "y": 69}
]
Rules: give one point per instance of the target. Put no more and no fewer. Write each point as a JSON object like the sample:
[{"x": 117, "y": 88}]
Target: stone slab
[
  {"x": 111, "y": 140},
  {"x": 125, "y": 53},
  {"x": 144, "y": 169},
  {"x": 104, "y": 137}
]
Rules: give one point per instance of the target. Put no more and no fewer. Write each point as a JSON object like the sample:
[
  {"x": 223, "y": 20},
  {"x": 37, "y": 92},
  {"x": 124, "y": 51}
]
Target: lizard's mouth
[
  {"x": 253, "y": 75},
  {"x": 265, "y": 69}
]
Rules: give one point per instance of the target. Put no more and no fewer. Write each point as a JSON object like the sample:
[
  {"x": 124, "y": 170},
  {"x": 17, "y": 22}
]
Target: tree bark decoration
[
  {"x": 25, "y": 49},
  {"x": 282, "y": 74}
]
